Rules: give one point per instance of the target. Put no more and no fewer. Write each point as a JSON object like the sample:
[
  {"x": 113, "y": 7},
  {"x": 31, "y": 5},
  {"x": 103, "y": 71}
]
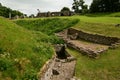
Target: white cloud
[{"x": 31, "y": 6}]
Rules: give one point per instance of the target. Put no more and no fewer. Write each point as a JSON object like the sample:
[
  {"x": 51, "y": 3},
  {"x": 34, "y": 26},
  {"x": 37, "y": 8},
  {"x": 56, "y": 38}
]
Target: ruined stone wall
[
  {"x": 46, "y": 71},
  {"x": 94, "y": 37}
]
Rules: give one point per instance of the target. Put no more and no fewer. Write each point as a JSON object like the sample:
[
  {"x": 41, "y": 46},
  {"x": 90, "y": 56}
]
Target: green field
[{"x": 26, "y": 44}]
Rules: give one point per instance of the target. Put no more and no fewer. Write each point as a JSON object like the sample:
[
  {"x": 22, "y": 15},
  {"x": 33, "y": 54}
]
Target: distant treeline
[
  {"x": 105, "y": 6},
  {"x": 4, "y": 11},
  {"x": 97, "y": 6}
]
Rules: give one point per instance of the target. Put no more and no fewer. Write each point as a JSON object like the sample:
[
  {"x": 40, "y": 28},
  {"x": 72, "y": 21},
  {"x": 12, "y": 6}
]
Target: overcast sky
[{"x": 31, "y": 6}]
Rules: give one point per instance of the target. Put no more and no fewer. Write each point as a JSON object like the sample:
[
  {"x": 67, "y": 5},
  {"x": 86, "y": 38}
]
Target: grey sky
[{"x": 31, "y": 6}]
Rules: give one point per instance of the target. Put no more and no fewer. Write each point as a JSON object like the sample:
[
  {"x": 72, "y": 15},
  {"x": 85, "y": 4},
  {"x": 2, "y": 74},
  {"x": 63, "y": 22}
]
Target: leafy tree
[
  {"x": 4, "y": 11},
  {"x": 85, "y": 9},
  {"x": 81, "y": 3},
  {"x": 75, "y": 6},
  {"x": 0, "y": 4},
  {"x": 65, "y": 9},
  {"x": 78, "y": 6},
  {"x": 105, "y": 6}
]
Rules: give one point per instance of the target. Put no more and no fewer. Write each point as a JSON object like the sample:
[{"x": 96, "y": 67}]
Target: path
[{"x": 65, "y": 70}]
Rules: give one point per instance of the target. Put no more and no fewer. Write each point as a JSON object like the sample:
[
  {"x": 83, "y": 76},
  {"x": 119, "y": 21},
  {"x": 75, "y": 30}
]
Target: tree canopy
[
  {"x": 4, "y": 11},
  {"x": 79, "y": 7},
  {"x": 105, "y": 6},
  {"x": 65, "y": 9}
]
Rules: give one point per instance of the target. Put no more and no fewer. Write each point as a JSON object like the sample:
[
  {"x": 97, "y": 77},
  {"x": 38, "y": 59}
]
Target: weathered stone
[
  {"x": 93, "y": 37},
  {"x": 70, "y": 36},
  {"x": 73, "y": 36}
]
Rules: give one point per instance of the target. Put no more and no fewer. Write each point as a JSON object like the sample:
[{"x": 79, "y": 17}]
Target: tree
[
  {"x": 65, "y": 9},
  {"x": 78, "y": 6},
  {"x": 81, "y": 3},
  {"x": 0, "y": 4},
  {"x": 75, "y": 6},
  {"x": 85, "y": 9},
  {"x": 4, "y": 11},
  {"x": 105, "y": 6}
]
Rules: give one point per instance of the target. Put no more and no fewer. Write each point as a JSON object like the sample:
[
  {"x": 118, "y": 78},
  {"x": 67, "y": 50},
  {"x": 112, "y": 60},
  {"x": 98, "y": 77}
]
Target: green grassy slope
[
  {"x": 21, "y": 54},
  {"x": 99, "y": 25},
  {"x": 48, "y": 26}
]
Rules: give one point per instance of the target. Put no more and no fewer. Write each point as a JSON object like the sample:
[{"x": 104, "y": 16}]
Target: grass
[
  {"x": 21, "y": 54},
  {"x": 107, "y": 67},
  {"x": 116, "y": 14},
  {"x": 99, "y": 28},
  {"x": 99, "y": 25},
  {"x": 48, "y": 26}
]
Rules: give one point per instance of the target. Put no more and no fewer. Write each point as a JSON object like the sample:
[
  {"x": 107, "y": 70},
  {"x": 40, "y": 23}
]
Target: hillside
[
  {"x": 25, "y": 48},
  {"x": 48, "y": 26},
  {"x": 21, "y": 54}
]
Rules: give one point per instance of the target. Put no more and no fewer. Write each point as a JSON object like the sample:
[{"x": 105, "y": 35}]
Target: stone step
[{"x": 88, "y": 48}]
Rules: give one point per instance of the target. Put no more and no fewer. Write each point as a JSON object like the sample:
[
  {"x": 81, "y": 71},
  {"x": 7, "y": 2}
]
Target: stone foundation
[
  {"x": 98, "y": 43},
  {"x": 94, "y": 37},
  {"x": 46, "y": 71}
]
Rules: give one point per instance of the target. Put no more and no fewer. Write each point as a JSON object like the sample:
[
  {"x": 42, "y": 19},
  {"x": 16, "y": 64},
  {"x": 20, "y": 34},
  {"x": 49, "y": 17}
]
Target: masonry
[
  {"x": 57, "y": 67},
  {"x": 86, "y": 43},
  {"x": 94, "y": 37},
  {"x": 52, "y": 14}
]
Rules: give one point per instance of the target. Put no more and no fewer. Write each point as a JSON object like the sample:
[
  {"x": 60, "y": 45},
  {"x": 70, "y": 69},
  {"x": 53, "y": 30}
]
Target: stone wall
[
  {"x": 94, "y": 37},
  {"x": 52, "y": 14},
  {"x": 46, "y": 71}
]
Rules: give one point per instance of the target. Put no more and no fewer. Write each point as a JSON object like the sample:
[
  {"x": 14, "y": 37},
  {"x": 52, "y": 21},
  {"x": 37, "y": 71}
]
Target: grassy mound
[
  {"x": 48, "y": 26},
  {"x": 21, "y": 54}
]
